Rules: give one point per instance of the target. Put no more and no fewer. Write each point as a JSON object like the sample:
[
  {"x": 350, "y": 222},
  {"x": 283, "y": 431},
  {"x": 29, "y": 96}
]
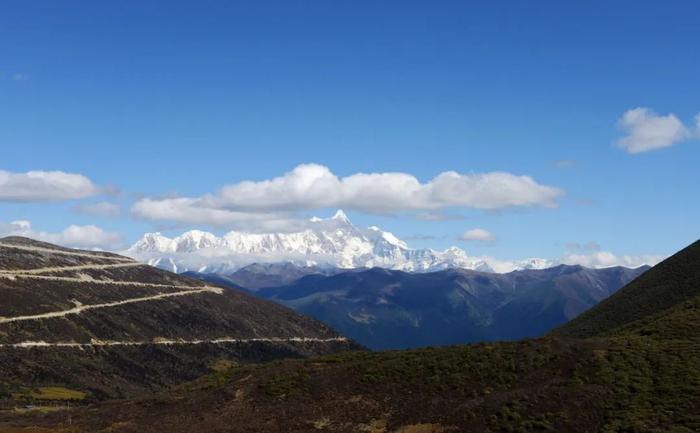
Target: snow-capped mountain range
[{"x": 333, "y": 242}]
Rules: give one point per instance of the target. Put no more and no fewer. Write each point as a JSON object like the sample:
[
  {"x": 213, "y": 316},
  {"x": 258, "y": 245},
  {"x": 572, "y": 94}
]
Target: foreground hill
[
  {"x": 105, "y": 325},
  {"x": 385, "y": 309},
  {"x": 642, "y": 376}
]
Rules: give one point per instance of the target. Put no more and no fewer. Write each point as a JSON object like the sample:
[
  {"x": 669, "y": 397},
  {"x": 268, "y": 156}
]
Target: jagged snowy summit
[{"x": 333, "y": 241}]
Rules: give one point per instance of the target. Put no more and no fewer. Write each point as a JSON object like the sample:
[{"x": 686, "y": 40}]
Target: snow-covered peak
[
  {"x": 536, "y": 263},
  {"x": 195, "y": 240},
  {"x": 374, "y": 232},
  {"x": 331, "y": 241},
  {"x": 456, "y": 251},
  {"x": 340, "y": 216},
  {"x": 153, "y": 242}
]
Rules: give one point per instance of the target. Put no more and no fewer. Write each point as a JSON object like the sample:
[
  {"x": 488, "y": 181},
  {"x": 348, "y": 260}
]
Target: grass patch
[
  {"x": 39, "y": 409},
  {"x": 286, "y": 383},
  {"x": 10, "y": 429},
  {"x": 50, "y": 393},
  {"x": 221, "y": 372},
  {"x": 222, "y": 366}
]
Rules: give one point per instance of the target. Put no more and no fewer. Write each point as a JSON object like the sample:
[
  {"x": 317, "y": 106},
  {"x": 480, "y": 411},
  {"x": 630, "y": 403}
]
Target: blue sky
[{"x": 153, "y": 100}]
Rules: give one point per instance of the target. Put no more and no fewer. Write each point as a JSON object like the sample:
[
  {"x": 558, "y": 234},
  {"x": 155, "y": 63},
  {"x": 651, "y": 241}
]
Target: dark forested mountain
[
  {"x": 109, "y": 326},
  {"x": 639, "y": 372},
  {"x": 393, "y": 309}
]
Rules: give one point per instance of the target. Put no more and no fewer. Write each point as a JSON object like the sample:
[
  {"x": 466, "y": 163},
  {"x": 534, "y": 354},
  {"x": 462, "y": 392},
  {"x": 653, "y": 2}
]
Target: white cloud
[
  {"x": 103, "y": 209},
  {"x": 313, "y": 186},
  {"x": 191, "y": 211},
  {"x": 647, "y": 130},
  {"x": 606, "y": 259},
  {"x": 592, "y": 259},
  {"x": 478, "y": 235},
  {"x": 90, "y": 236},
  {"x": 43, "y": 186}
]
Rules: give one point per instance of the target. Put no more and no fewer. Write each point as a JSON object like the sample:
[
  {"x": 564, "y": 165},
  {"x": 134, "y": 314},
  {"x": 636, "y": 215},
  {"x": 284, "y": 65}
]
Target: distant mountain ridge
[
  {"x": 330, "y": 242},
  {"x": 389, "y": 309}
]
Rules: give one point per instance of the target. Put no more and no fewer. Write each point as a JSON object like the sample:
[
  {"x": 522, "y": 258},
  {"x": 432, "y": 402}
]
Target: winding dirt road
[
  {"x": 69, "y": 268},
  {"x": 80, "y": 308},
  {"x": 83, "y": 278},
  {"x": 68, "y": 253},
  {"x": 168, "y": 342},
  {"x": 122, "y": 262}
]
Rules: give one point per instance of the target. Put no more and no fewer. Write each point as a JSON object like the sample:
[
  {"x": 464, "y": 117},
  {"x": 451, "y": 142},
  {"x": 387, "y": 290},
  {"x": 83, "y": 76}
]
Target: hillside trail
[
  {"x": 36, "y": 273},
  {"x": 170, "y": 342},
  {"x": 80, "y": 308},
  {"x": 71, "y": 268},
  {"x": 84, "y": 278},
  {"x": 68, "y": 253}
]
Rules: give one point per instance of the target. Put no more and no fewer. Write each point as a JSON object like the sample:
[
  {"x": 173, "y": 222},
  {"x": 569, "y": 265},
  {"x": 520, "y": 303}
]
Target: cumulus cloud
[
  {"x": 478, "y": 235},
  {"x": 313, "y": 186},
  {"x": 102, "y": 209},
  {"x": 44, "y": 186},
  {"x": 89, "y": 236},
  {"x": 606, "y": 259},
  {"x": 590, "y": 254},
  {"x": 192, "y": 211},
  {"x": 588, "y": 259},
  {"x": 648, "y": 131}
]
